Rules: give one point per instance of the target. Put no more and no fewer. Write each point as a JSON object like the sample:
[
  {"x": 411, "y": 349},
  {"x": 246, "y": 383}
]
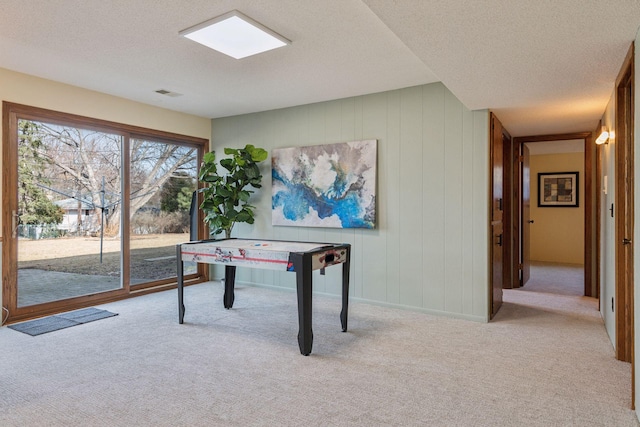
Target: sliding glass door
[
  {"x": 163, "y": 179},
  {"x": 91, "y": 210},
  {"x": 67, "y": 225}
]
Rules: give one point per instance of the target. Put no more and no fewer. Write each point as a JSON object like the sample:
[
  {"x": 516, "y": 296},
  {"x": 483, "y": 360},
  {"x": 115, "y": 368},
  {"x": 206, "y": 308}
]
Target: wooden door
[
  {"x": 624, "y": 214},
  {"x": 591, "y": 210},
  {"x": 509, "y": 268},
  {"x": 516, "y": 215},
  {"x": 526, "y": 215},
  {"x": 497, "y": 235}
]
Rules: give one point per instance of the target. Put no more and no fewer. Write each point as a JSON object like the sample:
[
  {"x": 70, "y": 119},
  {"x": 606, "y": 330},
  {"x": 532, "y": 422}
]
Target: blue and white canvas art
[{"x": 330, "y": 185}]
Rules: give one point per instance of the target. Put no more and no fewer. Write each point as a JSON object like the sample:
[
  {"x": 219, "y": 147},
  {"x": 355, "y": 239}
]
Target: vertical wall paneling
[
  {"x": 392, "y": 203},
  {"x": 433, "y": 197},
  {"x": 253, "y": 135},
  {"x": 375, "y": 242},
  {"x": 351, "y": 132},
  {"x": 332, "y": 133},
  {"x": 429, "y": 250},
  {"x": 412, "y": 197},
  {"x": 290, "y": 125},
  {"x": 266, "y": 132},
  {"x": 467, "y": 221},
  {"x": 344, "y": 130},
  {"x": 350, "y": 121},
  {"x": 453, "y": 197},
  {"x": 316, "y": 120},
  {"x": 480, "y": 213}
]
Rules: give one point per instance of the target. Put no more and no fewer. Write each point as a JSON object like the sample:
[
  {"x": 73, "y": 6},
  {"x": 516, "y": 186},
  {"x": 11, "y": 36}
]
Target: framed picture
[
  {"x": 558, "y": 189},
  {"x": 330, "y": 185}
]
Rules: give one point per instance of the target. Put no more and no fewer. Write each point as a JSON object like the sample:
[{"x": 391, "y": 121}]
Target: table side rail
[{"x": 325, "y": 255}]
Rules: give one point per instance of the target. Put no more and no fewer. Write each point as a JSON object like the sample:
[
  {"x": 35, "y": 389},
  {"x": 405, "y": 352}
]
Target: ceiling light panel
[{"x": 235, "y": 35}]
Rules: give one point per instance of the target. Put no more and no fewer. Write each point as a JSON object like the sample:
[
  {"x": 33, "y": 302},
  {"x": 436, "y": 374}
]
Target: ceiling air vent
[{"x": 168, "y": 93}]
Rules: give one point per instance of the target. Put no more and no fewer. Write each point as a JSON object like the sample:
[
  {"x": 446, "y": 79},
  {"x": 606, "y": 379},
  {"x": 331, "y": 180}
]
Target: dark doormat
[{"x": 61, "y": 321}]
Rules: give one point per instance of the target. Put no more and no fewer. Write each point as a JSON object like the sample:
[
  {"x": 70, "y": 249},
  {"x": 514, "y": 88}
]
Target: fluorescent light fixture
[
  {"x": 236, "y": 35},
  {"x": 603, "y": 138}
]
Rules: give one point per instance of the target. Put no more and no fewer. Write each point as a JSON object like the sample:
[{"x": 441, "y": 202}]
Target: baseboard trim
[{"x": 463, "y": 316}]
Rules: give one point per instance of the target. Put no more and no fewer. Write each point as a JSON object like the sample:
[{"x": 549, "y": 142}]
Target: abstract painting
[
  {"x": 330, "y": 185},
  {"x": 558, "y": 189}
]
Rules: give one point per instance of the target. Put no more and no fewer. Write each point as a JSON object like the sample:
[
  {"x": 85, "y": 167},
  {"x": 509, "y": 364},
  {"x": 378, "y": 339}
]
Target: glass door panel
[
  {"x": 68, "y": 216},
  {"x": 163, "y": 179}
]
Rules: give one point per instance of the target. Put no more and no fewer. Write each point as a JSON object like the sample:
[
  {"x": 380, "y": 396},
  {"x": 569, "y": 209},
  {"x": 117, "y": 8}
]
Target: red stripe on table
[{"x": 233, "y": 258}]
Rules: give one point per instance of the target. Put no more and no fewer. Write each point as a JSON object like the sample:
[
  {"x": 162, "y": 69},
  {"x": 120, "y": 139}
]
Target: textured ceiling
[{"x": 543, "y": 66}]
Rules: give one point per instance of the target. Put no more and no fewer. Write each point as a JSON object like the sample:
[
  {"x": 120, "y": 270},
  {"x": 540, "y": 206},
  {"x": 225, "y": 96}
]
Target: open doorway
[
  {"x": 562, "y": 232},
  {"x": 556, "y": 216}
]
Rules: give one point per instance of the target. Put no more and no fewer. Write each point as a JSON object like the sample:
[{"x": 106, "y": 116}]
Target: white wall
[
  {"x": 607, "y": 230},
  {"x": 28, "y": 90},
  {"x": 607, "y": 226},
  {"x": 429, "y": 251}
]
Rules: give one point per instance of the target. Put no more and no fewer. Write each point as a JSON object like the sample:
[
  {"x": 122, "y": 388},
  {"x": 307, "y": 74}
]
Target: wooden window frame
[{"x": 11, "y": 113}]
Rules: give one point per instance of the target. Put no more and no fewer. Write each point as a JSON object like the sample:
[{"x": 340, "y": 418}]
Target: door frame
[
  {"x": 523, "y": 214},
  {"x": 589, "y": 198},
  {"x": 511, "y": 252},
  {"x": 11, "y": 113},
  {"x": 624, "y": 139},
  {"x": 497, "y": 207}
]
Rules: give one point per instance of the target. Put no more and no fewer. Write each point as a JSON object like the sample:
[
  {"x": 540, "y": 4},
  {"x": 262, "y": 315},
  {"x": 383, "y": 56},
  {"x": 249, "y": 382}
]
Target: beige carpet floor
[
  {"x": 554, "y": 278},
  {"x": 545, "y": 361}
]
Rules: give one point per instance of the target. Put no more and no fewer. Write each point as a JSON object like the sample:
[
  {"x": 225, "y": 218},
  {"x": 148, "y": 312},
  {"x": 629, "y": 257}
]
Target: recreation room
[{"x": 390, "y": 213}]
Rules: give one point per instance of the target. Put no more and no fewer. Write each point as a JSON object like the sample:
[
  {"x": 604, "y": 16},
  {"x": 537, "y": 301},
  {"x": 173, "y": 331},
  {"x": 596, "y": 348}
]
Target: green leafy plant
[{"x": 226, "y": 197}]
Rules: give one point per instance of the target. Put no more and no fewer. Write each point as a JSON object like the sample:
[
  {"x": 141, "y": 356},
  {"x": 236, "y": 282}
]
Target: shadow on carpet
[{"x": 61, "y": 321}]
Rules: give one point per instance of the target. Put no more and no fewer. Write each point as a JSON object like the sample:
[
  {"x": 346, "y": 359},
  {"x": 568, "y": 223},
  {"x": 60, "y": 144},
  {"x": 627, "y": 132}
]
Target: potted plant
[{"x": 226, "y": 197}]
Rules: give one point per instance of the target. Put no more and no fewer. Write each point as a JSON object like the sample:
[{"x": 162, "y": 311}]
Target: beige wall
[
  {"x": 24, "y": 89},
  {"x": 557, "y": 235},
  {"x": 429, "y": 250},
  {"x": 28, "y": 90},
  {"x": 37, "y": 92}
]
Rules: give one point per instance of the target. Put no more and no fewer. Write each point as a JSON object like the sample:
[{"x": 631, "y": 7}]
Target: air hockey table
[{"x": 299, "y": 257}]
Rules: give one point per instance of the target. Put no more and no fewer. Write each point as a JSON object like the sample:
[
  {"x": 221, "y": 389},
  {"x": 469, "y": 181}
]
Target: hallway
[
  {"x": 569, "y": 333},
  {"x": 555, "y": 278}
]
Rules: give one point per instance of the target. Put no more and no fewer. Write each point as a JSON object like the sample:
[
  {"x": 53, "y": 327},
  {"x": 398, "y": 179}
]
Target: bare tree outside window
[
  {"x": 70, "y": 183},
  {"x": 156, "y": 168},
  {"x": 85, "y": 166}
]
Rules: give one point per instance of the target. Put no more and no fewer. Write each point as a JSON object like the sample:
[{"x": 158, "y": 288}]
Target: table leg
[
  {"x": 229, "y": 283},
  {"x": 345, "y": 290},
  {"x": 180, "y": 284},
  {"x": 302, "y": 267}
]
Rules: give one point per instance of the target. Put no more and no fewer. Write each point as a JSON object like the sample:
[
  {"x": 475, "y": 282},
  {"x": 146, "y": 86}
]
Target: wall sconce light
[{"x": 604, "y": 137}]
